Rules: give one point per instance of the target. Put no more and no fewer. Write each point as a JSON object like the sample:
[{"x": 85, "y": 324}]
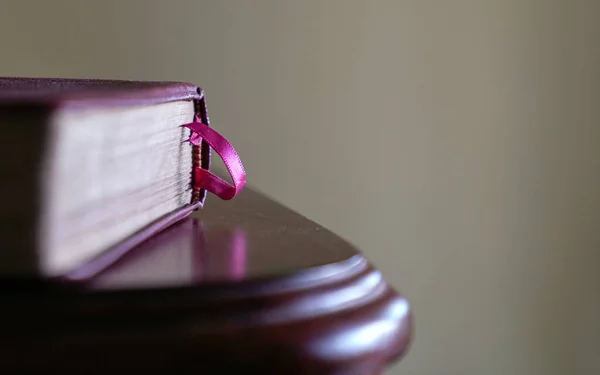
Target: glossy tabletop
[{"x": 242, "y": 286}]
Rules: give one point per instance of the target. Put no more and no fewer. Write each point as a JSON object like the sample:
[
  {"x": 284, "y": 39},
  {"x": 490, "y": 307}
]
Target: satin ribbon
[{"x": 205, "y": 179}]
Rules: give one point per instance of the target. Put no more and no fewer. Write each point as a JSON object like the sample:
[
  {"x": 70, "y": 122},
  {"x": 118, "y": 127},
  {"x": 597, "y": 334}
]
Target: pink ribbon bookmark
[{"x": 207, "y": 180}]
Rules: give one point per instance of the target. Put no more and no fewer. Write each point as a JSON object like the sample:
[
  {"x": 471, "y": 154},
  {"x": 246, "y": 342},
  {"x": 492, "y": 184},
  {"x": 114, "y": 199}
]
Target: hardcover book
[{"x": 94, "y": 167}]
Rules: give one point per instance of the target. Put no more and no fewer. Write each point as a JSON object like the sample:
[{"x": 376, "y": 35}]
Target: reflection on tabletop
[{"x": 181, "y": 255}]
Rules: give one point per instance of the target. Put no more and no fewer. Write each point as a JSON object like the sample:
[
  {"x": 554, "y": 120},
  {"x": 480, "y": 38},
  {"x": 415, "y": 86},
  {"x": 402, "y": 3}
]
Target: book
[{"x": 93, "y": 167}]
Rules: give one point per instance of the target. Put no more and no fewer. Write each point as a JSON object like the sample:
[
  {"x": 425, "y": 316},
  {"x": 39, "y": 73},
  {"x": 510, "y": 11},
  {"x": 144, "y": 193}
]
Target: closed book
[{"x": 91, "y": 168}]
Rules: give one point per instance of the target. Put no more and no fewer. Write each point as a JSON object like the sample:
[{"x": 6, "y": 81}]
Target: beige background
[{"x": 457, "y": 142}]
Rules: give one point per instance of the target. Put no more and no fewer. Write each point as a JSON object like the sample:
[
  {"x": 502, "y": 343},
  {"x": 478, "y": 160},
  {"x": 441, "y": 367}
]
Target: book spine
[
  {"x": 196, "y": 157},
  {"x": 200, "y": 154}
]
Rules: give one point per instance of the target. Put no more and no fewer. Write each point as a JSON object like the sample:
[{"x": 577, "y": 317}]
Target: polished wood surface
[{"x": 244, "y": 286}]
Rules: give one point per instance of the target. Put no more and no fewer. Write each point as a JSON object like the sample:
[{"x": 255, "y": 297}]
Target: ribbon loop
[{"x": 206, "y": 179}]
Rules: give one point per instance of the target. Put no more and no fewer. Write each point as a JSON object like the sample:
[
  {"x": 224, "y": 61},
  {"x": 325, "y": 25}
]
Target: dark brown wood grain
[{"x": 246, "y": 287}]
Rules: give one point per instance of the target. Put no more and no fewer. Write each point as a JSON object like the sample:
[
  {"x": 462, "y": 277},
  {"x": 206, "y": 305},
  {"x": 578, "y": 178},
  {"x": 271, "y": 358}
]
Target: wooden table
[{"x": 242, "y": 287}]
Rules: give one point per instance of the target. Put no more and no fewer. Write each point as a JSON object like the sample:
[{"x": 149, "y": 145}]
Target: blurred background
[{"x": 456, "y": 142}]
